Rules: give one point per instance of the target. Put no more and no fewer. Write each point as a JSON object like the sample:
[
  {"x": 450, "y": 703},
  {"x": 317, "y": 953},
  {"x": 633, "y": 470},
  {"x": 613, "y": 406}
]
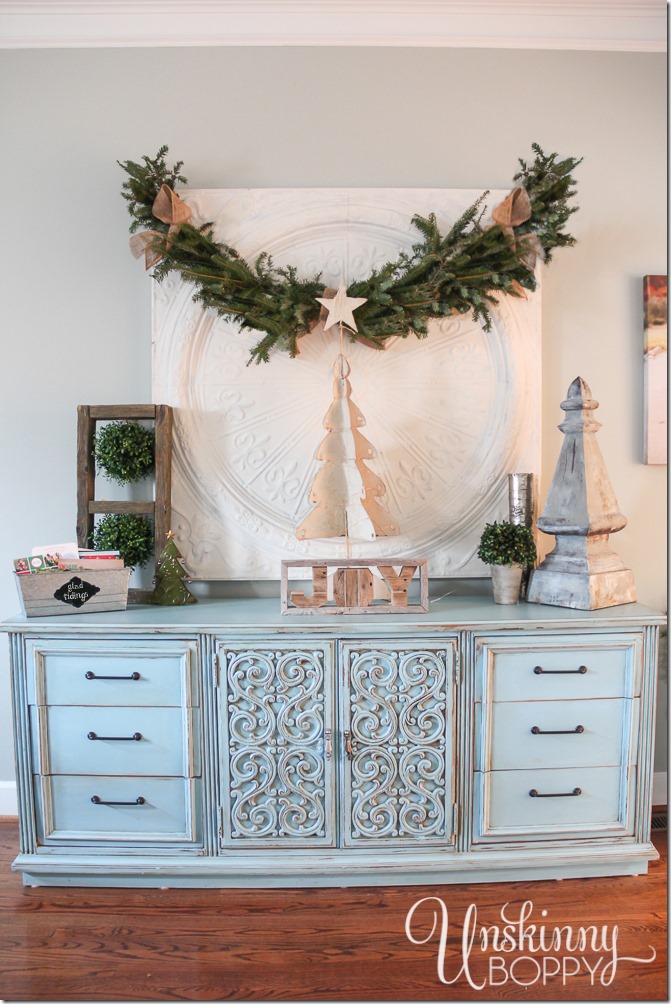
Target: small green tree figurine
[{"x": 169, "y": 588}]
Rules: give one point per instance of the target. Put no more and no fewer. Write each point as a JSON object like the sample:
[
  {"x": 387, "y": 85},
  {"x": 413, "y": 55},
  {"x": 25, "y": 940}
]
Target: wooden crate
[{"x": 46, "y": 594}]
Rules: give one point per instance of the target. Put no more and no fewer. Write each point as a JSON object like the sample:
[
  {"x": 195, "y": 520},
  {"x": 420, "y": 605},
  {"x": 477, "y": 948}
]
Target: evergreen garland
[{"x": 465, "y": 270}]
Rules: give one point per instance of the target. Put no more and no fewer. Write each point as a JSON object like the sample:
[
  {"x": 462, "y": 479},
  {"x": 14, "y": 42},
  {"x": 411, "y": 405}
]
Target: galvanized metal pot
[{"x": 506, "y": 580}]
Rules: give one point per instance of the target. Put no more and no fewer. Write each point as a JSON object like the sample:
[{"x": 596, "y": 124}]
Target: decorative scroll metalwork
[
  {"x": 399, "y": 768},
  {"x": 276, "y": 744}
]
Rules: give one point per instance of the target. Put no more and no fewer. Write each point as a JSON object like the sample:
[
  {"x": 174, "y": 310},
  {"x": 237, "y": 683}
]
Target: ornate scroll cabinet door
[
  {"x": 277, "y": 779},
  {"x": 305, "y": 764},
  {"x": 398, "y": 736}
]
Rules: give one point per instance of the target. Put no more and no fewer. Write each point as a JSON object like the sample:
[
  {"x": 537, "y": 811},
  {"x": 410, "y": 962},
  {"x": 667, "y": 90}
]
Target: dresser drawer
[
  {"x": 508, "y": 810},
  {"x": 521, "y": 734},
  {"x": 92, "y": 673},
  {"x": 101, "y": 741},
  {"x": 563, "y": 667},
  {"x": 168, "y": 810}
]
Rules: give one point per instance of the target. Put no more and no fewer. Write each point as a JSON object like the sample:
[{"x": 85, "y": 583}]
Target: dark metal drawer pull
[
  {"x": 561, "y": 672},
  {"x": 117, "y": 739},
  {"x": 555, "y": 794},
  {"x": 537, "y": 731},
  {"x": 94, "y": 676},
  {"x": 97, "y": 800}
]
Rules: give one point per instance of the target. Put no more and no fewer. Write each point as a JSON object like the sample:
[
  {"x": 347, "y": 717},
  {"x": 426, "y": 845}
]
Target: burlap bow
[
  {"x": 512, "y": 212},
  {"x": 168, "y": 208}
]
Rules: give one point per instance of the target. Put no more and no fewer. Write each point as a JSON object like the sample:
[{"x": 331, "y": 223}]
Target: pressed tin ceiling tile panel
[{"x": 449, "y": 416}]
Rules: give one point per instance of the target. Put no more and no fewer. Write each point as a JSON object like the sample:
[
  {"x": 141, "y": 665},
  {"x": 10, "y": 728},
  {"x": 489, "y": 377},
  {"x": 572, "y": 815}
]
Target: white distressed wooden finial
[{"x": 582, "y": 571}]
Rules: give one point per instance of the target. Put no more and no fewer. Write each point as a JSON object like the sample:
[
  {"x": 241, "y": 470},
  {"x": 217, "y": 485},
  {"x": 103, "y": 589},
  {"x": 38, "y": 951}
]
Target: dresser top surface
[{"x": 462, "y": 605}]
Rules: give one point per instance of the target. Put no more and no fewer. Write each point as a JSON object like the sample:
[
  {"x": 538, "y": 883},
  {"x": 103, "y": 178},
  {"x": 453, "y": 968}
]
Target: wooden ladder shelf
[{"x": 87, "y": 504}]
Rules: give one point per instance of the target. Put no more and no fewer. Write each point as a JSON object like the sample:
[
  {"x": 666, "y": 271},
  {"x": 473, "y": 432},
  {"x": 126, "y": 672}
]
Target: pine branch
[{"x": 467, "y": 269}]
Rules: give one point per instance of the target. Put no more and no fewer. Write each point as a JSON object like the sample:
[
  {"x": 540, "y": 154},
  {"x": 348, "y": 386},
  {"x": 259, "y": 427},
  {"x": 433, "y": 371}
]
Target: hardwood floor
[{"x": 323, "y": 944}]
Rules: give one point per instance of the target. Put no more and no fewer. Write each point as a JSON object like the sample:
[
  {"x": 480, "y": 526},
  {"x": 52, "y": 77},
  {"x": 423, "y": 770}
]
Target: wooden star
[{"x": 340, "y": 308}]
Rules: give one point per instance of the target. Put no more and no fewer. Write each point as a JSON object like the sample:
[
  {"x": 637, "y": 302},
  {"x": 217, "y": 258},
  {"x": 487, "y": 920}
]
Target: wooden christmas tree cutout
[
  {"x": 345, "y": 490},
  {"x": 582, "y": 571}
]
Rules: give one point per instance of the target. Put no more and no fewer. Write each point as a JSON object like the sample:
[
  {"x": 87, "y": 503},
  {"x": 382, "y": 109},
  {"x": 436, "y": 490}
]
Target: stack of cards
[{"x": 66, "y": 557}]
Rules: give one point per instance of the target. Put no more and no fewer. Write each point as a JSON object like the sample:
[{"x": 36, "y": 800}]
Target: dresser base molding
[{"x": 288, "y": 869}]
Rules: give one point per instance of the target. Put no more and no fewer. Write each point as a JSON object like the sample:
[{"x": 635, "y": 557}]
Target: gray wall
[{"x": 75, "y": 305}]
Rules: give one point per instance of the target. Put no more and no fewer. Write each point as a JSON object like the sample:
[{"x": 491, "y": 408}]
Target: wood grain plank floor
[{"x": 317, "y": 944}]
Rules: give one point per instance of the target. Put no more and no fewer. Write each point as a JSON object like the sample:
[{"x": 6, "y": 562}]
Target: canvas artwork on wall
[
  {"x": 655, "y": 368},
  {"x": 449, "y": 416}
]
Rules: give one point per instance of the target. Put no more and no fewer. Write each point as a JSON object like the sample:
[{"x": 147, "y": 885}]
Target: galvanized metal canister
[
  {"x": 521, "y": 499},
  {"x": 521, "y": 505}
]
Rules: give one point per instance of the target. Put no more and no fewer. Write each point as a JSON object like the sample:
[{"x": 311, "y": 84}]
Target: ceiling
[{"x": 634, "y": 26}]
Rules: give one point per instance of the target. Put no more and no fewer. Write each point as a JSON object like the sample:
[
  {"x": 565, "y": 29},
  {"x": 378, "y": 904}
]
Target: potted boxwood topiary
[{"x": 507, "y": 548}]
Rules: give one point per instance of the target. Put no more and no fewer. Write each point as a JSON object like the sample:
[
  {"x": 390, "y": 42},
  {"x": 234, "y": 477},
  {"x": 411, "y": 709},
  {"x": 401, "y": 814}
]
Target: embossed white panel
[{"x": 450, "y": 416}]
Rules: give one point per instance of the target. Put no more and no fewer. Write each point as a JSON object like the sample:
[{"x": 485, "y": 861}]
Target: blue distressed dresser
[{"x": 225, "y": 745}]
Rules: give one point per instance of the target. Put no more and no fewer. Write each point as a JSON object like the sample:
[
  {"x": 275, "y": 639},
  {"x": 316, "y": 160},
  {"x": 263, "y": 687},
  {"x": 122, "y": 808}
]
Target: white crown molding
[{"x": 635, "y": 26}]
